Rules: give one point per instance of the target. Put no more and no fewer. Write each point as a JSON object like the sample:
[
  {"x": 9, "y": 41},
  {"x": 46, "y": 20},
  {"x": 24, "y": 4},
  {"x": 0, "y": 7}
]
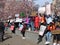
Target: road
[
  {"x": 31, "y": 39},
  {"x": 16, "y": 40}
]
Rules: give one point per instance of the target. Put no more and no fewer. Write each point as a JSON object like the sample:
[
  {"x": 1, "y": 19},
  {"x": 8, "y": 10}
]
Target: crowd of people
[{"x": 33, "y": 23}]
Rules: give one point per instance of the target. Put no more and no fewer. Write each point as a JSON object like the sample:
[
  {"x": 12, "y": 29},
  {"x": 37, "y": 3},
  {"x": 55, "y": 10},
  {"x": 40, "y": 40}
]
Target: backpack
[{"x": 52, "y": 27}]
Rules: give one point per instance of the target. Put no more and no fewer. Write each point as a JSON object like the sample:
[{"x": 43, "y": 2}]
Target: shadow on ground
[{"x": 7, "y": 37}]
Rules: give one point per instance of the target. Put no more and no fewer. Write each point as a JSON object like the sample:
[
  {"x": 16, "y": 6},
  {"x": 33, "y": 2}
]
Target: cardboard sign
[
  {"x": 57, "y": 31},
  {"x": 12, "y": 27},
  {"x": 42, "y": 30},
  {"x": 33, "y": 13},
  {"x": 16, "y": 15}
]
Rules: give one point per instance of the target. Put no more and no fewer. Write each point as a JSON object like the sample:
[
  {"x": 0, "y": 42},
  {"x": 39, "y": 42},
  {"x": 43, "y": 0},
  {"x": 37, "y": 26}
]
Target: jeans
[
  {"x": 48, "y": 36},
  {"x": 23, "y": 33},
  {"x": 6, "y": 28},
  {"x": 32, "y": 26},
  {"x": 28, "y": 25}
]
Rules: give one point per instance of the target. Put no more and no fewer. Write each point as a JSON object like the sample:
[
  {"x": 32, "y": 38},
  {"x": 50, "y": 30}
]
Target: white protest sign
[
  {"x": 48, "y": 9},
  {"x": 41, "y": 10},
  {"x": 19, "y": 20},
  {"x": 16, "y": 15},
  {"x": 42, "y": 29}
]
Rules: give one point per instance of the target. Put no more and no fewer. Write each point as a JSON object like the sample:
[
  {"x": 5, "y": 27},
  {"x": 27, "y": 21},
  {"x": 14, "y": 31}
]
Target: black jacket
[{"x": 2, "y": 27}]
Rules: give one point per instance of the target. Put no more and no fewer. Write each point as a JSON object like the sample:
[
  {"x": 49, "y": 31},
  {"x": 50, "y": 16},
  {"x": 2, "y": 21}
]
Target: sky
[{"x": 42, "y": 2}]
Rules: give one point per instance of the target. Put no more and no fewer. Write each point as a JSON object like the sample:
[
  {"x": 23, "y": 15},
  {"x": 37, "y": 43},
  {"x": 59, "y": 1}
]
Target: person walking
[
  {"x": 23, "y": 30},
  {"x": 2, "y": 28},
  {"x": 48, "y": 36},
  {"x": 36, "y": 24},
  {"x": 42, "y": 28},
  {"x": 32, "y": 23},
  {"x": 6, "y": 26},
  {"x": 12, "y": 28},
  {"x": 48, "y": 33}
]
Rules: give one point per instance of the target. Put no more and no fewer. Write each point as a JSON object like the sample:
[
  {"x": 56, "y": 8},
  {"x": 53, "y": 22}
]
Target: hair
[
  {"x": 51, "y": 23},
  {"x": 36, "y": 13}
]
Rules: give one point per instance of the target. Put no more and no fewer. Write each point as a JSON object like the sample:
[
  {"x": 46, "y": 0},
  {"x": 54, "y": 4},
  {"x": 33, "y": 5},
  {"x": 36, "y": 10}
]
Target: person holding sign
[
  {"x": 41, "y": 32},
  {"x": 22, "y": 28},
  {"x": 12, "y": 28}
]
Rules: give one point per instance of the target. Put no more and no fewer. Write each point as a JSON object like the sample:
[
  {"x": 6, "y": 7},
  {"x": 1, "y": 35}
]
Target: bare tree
[{"x": 11, "y": 7}]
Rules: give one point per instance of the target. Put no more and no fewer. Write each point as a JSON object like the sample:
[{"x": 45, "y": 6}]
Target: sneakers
[
  {"x": 58, "y": 44},
  {"x": 23, "y": 37},
  {"x": 54, "y": 44},
  {"x": 47, "y": 42},
  {"x": 29, "y": 29}
]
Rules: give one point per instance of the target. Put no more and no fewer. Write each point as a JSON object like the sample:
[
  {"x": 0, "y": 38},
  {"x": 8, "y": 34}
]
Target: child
[
  {"x": 12, "y": 28},
  {"x": 20, "y": 26},
  {"x": 23, "y": 30},
  {"x": 6, "y": 26}
]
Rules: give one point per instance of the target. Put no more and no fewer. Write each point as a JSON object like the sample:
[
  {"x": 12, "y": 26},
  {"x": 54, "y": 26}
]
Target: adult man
[
  {"x": 49, "y": 22},
  {"x": 2, "y": 27}
]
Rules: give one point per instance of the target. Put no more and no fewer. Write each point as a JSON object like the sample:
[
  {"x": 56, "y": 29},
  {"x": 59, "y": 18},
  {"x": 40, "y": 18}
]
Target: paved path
[
  {"x": 17, "y": 40},
  {"x": 31, "y": 39}
]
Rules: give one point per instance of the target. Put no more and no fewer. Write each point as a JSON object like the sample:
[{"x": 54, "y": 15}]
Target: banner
[
  {"x": 22, "y": 14},
  {"x": 41, "y": 10},
  {"x": 33, "y": 13},
  {"x": 18, "y": 20},
  {"x": 48, "y": 9},
  {"x": 12, "y": 27},
  {"x": 16, "y": 15}
]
